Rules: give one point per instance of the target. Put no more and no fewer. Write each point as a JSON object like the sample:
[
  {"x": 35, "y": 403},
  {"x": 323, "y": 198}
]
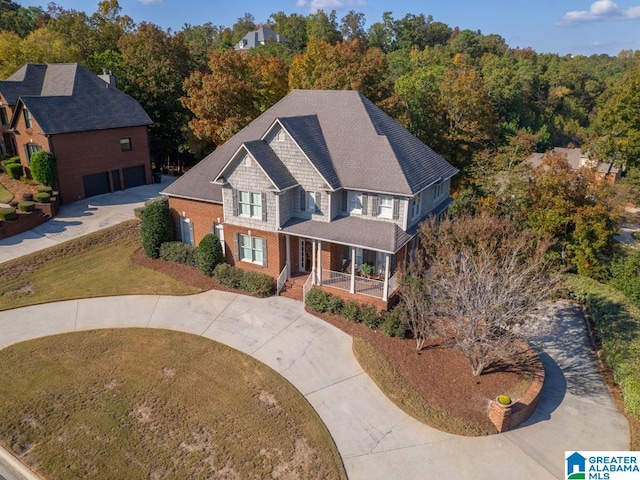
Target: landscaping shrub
[
  {"x": 14, "y": 170},
  {"x": 351, "y": 311},
  {"x": 43, "y": 167},
  {"x": 156, "y": 227},
  {"x": 9, "y": 161},
  {"x": 45, "y": 189},
  {"x": 256, "y": 283},
  {"x": 228, "y": 275},
  {"x": 27, "y": 206},
  {"x": 209, "y": 254},
  {"x": 392, "y": 324},
  {"x": 138, "y": 212},
  {"x": 317, "y": 300},
  {"x": 178, "y": 252},
  {"x": 369, "y": 316},
  {"x": 42, "y": 197},
  {"x": 8, "y": 213},
  {"x": 335, "y": 304},
  {"x": 625, "y": 276}
]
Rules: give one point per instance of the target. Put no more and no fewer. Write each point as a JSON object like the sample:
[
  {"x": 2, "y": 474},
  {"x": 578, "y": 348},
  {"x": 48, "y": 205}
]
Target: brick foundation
[{"x": 507, "y": 418}]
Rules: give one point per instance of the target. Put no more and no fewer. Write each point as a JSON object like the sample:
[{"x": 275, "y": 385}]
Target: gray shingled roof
[
  {"x": 271, "y": 164},
  {"x": 367, "y": 149},
  {"x": 360, "y": 232},
  {"x": 66, "y": 98},
  {"x": 259, "y": 37},
  {"x": 574, "y": 158}
]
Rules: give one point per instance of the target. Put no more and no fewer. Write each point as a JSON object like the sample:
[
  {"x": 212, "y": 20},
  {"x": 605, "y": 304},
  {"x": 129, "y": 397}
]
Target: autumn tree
[
  {"x": 235, "y": 90},
  {"x": 486, "y": 280}
]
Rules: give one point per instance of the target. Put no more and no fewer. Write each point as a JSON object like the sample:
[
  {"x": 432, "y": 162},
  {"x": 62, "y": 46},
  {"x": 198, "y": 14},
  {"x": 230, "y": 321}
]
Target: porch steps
[{"x": 293, "y": 286}]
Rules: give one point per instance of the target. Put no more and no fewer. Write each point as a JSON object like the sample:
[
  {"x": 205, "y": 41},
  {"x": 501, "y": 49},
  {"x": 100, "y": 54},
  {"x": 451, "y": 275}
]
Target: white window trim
[
  {"x": 185, "y": 223},
  {"x": 355, "y": 198},
  {"x": 310, "y": 201},
  {"x": 253, "y": 241},
  {"x": 385, "y": 211},
  {"x": 416, "y": 205},
  {"x": 253, "y": 203}
]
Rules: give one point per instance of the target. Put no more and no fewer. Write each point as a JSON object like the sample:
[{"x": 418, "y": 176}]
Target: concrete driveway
[
  {"x": 375, "y": 439},
  {"x": 81, "y": 217}
]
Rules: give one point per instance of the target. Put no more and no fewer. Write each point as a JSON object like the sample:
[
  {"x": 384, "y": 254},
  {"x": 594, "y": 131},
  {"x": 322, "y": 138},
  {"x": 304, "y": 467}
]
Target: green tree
[
  {"x": 43, "y": 168},
  {"x": 292, "y": 27},
  {"x": 17, "y": 19},
  {"x": 156, "y": 227},
  {"x": 323, "y": 27},
  {"x": 209, "y": 254},
  {"x": 352, "y": 26}
]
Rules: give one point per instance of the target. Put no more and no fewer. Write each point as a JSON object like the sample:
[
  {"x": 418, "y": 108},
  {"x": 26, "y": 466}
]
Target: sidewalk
[
  {"x": 375, "y": 439},
  {"x": 79, "y": 218}
]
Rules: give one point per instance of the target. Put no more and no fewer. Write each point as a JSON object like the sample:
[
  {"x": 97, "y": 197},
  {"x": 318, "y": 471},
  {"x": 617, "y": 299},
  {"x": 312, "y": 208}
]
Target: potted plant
[
  {"x": 504, "y": 400},
  {"x": 366, "y": 270}
]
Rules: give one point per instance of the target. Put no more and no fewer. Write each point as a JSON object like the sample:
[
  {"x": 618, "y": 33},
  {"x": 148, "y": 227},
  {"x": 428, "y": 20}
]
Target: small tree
[
  {"x": 43, "y": 168},
  {"x": 485, "y": 281},
  {"x": 156, "y": 227},
  {"x": 209, "y": 254}
]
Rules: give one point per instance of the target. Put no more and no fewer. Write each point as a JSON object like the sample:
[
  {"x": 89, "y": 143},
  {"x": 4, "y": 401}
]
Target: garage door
[
  {"x": 134, "y": 176},
  {"x": 96, "y": 184}
]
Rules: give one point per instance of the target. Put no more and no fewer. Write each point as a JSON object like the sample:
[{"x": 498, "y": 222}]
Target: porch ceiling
[{"x": 358, "y": 232}]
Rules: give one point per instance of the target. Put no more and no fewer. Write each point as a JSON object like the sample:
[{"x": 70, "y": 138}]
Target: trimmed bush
[
  {"x": 625, "y": 273},
  {"x": 42, "y": 197},
  {"x": 8, "y": 213},
  {"x": 257, "y": 283},
  {"x": 209, "y": 254},
  {"x": 9, "y": 161},
  {"x": 43, "y": 167},
  {"x": 392, "y": 324},
  {"x": 178, "y": 252},
  {"x": 138, "y": 212},
  {"x": 228, "y": 275},
  {"x": 156, "y": 227},
  {"x": 27, "y": 206},
  {"x": 317, "y": 300},
  {"x": 369, "y": 316},
  {"x": 14, "y": 170},
  {"x": 45, "y": 189},
  {"x": 335, "y": 304},
  {"x": 351, "y": 311}
]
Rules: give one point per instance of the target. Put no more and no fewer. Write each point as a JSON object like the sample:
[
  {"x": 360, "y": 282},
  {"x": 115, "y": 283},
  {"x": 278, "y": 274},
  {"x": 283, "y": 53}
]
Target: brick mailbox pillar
[{"x": 500, "y": 415}]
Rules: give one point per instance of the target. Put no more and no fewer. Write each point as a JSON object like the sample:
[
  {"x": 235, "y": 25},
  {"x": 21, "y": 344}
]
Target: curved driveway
[{"x": 375, "y": 439}]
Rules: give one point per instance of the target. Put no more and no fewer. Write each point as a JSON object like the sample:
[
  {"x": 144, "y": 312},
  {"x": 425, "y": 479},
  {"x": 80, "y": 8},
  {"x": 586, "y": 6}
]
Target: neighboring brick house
[
  {"x": 323, "y": 182},
  {"x": 97, "y": 133},
  {"x": 260, "y": 36},
  {"x": 602, "y": 171}
]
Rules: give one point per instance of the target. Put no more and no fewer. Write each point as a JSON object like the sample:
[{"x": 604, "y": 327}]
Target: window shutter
[
  {"x": 193, "y": 238},
  {"x": 376, "y": 206},
  {"x": 264, "y": 206},
  {"x": 345, "y": 201},
  {"x": 236, "y": 246},
  {"x": 396, "y": 209},
  {"x": 264, "y": 252},
  {"x": 365, "y": 204},
  {"x": 303, "y": 199},
  {"x": 318, "y": 200},
  {"x": 234, "y": 201}
]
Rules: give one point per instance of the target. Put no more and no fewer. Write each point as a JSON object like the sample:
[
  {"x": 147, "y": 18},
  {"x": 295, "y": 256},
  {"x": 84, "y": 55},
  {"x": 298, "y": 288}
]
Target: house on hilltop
[
  {"x": 97, "y": 133},
  {"x": 260, "y": 36},
  {"x": 320, "y": 184},
  {"x": 577, "y": 159}
]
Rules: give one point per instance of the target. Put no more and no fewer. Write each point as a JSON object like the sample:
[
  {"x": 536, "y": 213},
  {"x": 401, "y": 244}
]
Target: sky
[{"x": 560, "y": 26}]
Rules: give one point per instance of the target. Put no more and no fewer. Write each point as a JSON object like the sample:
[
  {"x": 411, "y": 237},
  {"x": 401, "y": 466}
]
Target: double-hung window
[
  {"x": 249, "y": 204},
  {"x": 27, "y": 118},
  {"x": 416, "y": 204},
  {"x": 355, "y": 202},
  {"x": 251, "y": 249},
  {"x": 385, "y": 206},
  {"x": 244, "y": 203}
]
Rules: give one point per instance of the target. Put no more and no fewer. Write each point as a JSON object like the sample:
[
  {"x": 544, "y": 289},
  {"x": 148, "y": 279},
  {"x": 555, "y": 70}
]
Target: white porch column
[
  {"x": 352, "y": 287},
  {"x": 319, "y": 262},
  {"x": 288, "y": 248},
  {"x": 385, "y": 288},
  {"x": 313, "y": 263}
]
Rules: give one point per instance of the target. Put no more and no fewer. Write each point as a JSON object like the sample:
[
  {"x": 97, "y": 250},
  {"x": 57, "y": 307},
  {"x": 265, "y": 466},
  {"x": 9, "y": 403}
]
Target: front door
[{"x": 306, "y": 255}]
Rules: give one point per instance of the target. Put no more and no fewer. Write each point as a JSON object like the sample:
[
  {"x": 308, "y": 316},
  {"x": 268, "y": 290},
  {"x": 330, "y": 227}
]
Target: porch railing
[
  {"x": 282, "y": 278},
  {"x": 393, "y": 284},
  {"x": 308, "y": 285},
  {"x": 363, "y": 285}
]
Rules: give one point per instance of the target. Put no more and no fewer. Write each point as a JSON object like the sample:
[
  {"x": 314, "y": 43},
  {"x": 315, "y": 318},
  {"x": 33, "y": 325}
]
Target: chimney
[{"x": 108, "y": 77}]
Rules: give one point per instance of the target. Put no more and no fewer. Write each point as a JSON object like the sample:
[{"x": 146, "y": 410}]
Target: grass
[
  {"x": 97, "y": 264},
  {"x": 618, "y": 325},
  {"x": 5, "y": 195},
  {"x": 145, "y": 404},
  {"x": 400, "y": 392}
]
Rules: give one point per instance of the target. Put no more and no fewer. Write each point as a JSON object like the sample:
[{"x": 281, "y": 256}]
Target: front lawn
[
  {"x": 99, "y": 264},
  {"x": 150, "y": 404}
]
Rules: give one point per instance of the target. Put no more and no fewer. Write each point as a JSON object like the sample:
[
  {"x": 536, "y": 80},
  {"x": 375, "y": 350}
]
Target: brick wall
[
  {"x": 276, "y": 250},
  {"x": 85, "y": 153},
  {"x": 203, "y": 216}
]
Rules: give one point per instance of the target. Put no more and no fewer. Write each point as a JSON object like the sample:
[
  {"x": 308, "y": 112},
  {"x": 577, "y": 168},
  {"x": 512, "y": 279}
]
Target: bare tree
[{"x": 485, "y": 282}]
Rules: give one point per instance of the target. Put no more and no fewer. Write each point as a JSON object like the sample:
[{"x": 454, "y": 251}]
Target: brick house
[
  {"x": 97, "y": 133},
  {"x": 321, "y": 184},
  {"x": 600, "y": 171}
]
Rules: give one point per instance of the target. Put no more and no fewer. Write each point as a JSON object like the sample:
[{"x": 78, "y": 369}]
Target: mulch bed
[
  {"x": 442, "y": 375},
  {"x": 17, "y": 187}
]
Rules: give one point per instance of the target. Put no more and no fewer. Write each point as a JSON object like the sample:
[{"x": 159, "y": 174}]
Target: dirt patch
[
  {"x": 22, "y": 291},
  {"x": 17, "y": 187}
]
